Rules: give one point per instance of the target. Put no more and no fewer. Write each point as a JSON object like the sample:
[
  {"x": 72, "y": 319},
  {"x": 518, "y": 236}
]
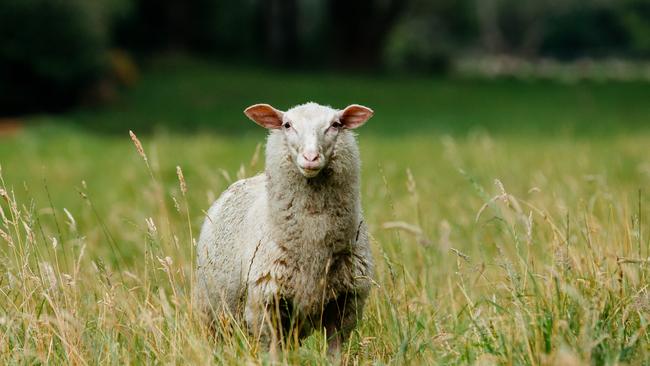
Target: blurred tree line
[{"x": 55, "y": 53}]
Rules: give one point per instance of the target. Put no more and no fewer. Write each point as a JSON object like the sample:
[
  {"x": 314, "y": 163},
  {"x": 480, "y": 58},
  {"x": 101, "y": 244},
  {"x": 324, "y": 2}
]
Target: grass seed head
[
  {"x": 72, "y": 223},
  {"x": 6, "y": 238},
  {"x": 181, "y": 179},
  {"x": 48, "y": 276},
  {"x": 138, "y": 145},
  {"x": 177, "y": 206},
  {"x": 151, "y": 226}
]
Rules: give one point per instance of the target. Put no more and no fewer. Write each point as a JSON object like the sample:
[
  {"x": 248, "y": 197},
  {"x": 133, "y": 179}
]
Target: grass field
[{"x": 509, "y": 221}]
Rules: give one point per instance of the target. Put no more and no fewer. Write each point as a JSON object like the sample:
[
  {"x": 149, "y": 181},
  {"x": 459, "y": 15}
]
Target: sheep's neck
[{"x": 317, "y": 213}]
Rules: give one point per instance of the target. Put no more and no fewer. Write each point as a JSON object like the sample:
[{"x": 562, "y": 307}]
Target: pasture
[{"x": 509, "y": 220}]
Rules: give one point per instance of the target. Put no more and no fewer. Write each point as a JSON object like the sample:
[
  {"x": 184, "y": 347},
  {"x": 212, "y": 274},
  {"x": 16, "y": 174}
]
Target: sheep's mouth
[{"x": 309, "y": 172}]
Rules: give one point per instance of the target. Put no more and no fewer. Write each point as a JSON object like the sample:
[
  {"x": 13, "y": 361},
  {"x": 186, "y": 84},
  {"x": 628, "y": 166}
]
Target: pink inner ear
[
  {"x": 355, "y": 115},
  {"x": 264, "y": 115}
]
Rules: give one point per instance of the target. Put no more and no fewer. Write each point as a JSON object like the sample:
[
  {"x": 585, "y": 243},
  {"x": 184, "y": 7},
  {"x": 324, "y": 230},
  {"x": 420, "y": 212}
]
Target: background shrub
[{"x": 51, "y": 51}]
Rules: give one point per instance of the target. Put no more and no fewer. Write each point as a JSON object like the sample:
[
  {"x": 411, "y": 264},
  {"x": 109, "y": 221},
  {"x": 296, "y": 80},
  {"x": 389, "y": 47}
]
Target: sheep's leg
[
  {"x": 255, "y": 315},
  {"x": 259, "y": 321},
  {"x": 340, "y": 317},
  {"x": 275, "y": 323}
]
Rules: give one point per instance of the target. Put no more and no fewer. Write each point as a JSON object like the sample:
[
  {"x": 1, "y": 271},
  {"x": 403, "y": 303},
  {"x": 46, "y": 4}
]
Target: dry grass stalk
[
  {"x": 408, "y": 228},
  {"x": 107, "y": 309}
]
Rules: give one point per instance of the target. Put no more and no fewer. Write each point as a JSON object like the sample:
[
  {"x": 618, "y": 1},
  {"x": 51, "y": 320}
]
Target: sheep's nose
[{"x": 310, "y": 156}]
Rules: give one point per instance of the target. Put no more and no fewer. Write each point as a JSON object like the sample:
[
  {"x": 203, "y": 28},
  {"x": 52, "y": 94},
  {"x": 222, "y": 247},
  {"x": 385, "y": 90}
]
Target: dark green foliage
[
  {"x": 585, "y": 31},
  {"x": 429, "y": 35},
  {"x": 53, "y": 51},
  {"x": 50, "y": 50},
  {"x": 635, "y": 18}
]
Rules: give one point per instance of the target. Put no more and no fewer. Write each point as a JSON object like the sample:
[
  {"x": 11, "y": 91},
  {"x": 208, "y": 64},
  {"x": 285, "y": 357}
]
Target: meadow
[{"x": 509, "y": 220}]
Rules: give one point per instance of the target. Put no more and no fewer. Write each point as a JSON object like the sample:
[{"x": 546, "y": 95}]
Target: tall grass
[{"x": 488, "y": 251}]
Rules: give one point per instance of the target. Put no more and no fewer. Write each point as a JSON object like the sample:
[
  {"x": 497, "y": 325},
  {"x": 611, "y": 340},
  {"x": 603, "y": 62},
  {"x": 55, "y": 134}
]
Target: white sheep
[{"x": 288, "y": 249}]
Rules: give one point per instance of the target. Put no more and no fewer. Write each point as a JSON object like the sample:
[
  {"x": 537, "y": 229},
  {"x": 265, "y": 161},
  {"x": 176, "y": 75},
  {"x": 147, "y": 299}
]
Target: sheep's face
[{"x": 310, "y": 130}]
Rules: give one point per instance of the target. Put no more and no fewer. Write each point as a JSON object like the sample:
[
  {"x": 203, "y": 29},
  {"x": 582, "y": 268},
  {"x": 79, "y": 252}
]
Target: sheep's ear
[
  {"x": 355, "y": 115},
  {"x": 264, "y": 115}
]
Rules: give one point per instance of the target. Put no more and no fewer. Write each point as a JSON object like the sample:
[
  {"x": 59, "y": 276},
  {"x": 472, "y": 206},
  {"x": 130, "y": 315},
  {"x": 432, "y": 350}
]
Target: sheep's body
[{"x": 280, "y": 236}]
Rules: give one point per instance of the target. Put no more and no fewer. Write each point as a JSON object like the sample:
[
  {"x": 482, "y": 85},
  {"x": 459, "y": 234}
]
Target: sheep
[{"x": 287, "y": 250}]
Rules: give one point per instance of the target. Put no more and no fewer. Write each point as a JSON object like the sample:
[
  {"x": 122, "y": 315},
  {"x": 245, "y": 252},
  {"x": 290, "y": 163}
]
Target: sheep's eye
[
  {"x": 287, "y": 125},
  {"x": 337, "y": 124}
]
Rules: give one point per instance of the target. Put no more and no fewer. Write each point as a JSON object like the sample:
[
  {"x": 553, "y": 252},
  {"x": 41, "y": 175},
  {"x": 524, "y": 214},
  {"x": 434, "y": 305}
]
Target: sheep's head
[{"x": 310, "y": 130}]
